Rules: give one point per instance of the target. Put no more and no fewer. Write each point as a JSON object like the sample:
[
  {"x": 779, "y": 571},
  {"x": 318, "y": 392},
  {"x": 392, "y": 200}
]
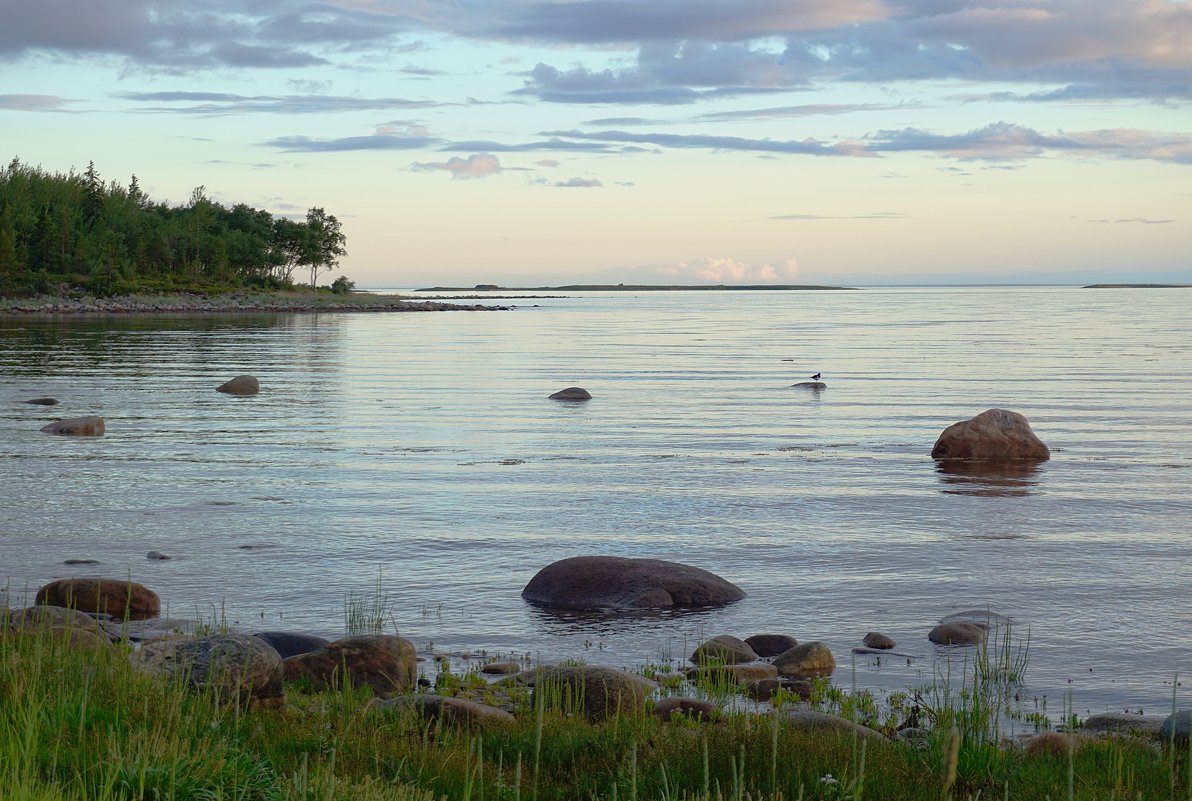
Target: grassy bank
[
  {"x": 84, "y": 724},
  {"x": 233, "y": 302}
]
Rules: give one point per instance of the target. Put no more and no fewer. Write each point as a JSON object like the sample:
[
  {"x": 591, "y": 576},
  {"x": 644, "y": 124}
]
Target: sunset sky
[{"x": 525, "y": 142}]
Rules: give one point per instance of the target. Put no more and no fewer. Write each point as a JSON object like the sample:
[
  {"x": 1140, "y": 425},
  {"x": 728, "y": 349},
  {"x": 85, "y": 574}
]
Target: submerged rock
[
  {"x": 240, "y": 385},
  {"x": 993, "y": 435},
  {"x": 957, "y": 633},
  {"x": 809, "y": 385},
  {"x": 571, "y": 394},
  {"x": 42, "y": 401},
  {"x": 878, "y": 640},
  {"x": 76, "y": 427},
  {"x": 614, "y": 582}
]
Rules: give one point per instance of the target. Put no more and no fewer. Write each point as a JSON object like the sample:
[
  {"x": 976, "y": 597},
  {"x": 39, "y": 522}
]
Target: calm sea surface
[{"x": 421, "y": 449}]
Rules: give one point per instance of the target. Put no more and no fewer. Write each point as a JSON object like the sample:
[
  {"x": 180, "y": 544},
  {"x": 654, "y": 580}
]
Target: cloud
[
  {"x": 999, "y": 141},
  {"x": 45, "y": 103},
  {"x": 724, "y": 270},
  {"x": 220, "y": 103},
  {"x": 806, "y": 110},
  {"x": 304, "y": 144},
  {"x": 578, "y": 183},
  {"x": 477, "y": 165},
  {"x": 876, "y": 215},
  {"x": 1139, "y": 220}
]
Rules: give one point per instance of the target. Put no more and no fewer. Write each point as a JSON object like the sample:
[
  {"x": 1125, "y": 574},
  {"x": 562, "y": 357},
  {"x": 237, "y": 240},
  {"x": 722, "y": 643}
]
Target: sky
[{"x": 533, "y": 142}]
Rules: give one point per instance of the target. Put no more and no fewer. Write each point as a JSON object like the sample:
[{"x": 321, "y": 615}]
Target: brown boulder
[
  {"x": 821, "y": 721},
  {"x": 808, "y": 660},
  {"x": 120, "y": 599},
  {"x": 571, "y": 394},
  {"x": 694, "y": 708},
  {"x": 878, "y": 640},
  {"x": 723, "y": 649},
  {"x": 69, "y": 625},
  {"x": 500, "y": 668},
  {"x": 1055, "y": 743},
  {"x": 766, "y": 689},
  {"x": 452, "y": 711},
  {"x": 598, "y": 692},
  {"x": 993, "y": 435},
  {"x": 767, "y": 645},
  {"x": 386, "y": 663},
  {"x": 240, "y": 385},
  {"x": 614, "y": 582},
  {"x": 76, "y": 427},
  {"x": 957, "y": 633},
  {"x": 235, "y": 666}
]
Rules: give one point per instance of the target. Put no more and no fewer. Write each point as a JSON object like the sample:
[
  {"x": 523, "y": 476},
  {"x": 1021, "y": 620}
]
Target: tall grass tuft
[{"x": 370, "y": 612}]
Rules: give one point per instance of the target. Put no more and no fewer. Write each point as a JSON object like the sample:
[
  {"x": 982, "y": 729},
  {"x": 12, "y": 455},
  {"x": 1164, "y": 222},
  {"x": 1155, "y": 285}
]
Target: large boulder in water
[
  {"x": 571, "y": 394},
  {"x": 120, "y": 599},
  {"x": 614, "y": 582},
  {"x": 993, "y": 435}
]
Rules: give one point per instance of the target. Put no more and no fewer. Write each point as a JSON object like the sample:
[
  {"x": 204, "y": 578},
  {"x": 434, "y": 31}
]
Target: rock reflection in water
[
  {"x": 988, "y": 479},
  {"x": 639, "y": 622}
]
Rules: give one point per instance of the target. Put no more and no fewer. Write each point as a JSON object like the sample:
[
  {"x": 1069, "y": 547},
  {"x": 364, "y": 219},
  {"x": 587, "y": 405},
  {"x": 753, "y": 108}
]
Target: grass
[
  {"x": 369, "y": 612},
  {"x": 80, "y": 724}
]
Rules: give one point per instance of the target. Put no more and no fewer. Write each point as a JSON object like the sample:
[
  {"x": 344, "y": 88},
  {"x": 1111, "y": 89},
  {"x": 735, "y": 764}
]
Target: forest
[{"x": 75, "y": 233}]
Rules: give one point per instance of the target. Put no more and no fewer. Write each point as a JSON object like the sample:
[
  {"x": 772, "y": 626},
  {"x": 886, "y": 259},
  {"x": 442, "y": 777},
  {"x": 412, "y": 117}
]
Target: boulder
[
  {"x": 808, "y": 660},
  {"x": 723, "y": 649},
  {"x": 292, "y": 643},
  {"x": 1054, "y": 743},
  {"x": 809, "y": 385},
  {"x": 614, "y": 582},
  {"x": 1123, "y": 723},
  {"x": 821, "y": 721},
  {"x": 158, "y": 556},
  {"x": 234, "y": 666},
  {"x": 732, "y": 674},
  {"x": 240, "y": 385},
  {"x": 766, "y": 689},
  {"x": 598, "y": 692},
  {"x": 1176, "y": 727},
  {"x": 452, "y": 711},
  {"x": 767, "y": 645},
  {"x": 571, "y": 394},
  {"x": 993, "y": 435},
  {"x": 985, "y": 618},
  {"x": 76, "y": 427},
  {"x": 385, "y": 662},
  {"x": 957, "y": 633},
  {"x": 69, "y": 625},
  {"x": 878, "y": 640},
  {"x": 120, "y": 599},
  {"x": 500, "y": 668},
  {"x": 42, "y": 401},
  {"x": 693, "y": 708}
]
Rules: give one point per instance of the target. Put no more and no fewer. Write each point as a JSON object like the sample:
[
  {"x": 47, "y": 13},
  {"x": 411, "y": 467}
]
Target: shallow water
[{"x": 421, "y": 448}]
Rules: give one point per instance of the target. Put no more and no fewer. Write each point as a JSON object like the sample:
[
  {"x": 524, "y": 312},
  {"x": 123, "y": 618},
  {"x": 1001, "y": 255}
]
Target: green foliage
[{"x": 78, "y": 232}]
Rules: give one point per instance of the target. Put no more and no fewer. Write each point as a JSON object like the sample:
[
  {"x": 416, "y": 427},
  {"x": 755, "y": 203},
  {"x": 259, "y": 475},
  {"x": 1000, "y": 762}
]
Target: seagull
[{"x": 816, "y": 377}]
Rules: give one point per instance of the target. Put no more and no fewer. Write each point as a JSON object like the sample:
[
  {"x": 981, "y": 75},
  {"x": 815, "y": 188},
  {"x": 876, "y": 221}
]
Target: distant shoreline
[
  {"x": 633, "y": 288},
  {"x": 1137, "y": 286},
  {"x": 232, "y": 303}
]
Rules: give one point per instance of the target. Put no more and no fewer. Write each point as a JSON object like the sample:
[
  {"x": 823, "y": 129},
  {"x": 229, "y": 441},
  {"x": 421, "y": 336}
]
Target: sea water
[{"x": 420, "y": 452}]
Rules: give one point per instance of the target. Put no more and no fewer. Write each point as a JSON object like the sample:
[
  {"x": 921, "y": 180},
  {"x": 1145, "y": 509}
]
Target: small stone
[
  {"x": 80, "y": 561},
  {"x": 158, "y": 556},
  {"x": 694, "y": 708},
  {"x": 877, "y": 640},
  {"x": 42, "y": 401},
  {"x": 572, "y": 394},
  {"x": 766, "y": 689},
  {"x": 500, "y": 668},
  {"x": 809, "y": 385}
]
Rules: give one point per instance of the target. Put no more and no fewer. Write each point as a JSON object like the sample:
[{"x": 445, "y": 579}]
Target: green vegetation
[
  {"x": 76, "y": 233},
  {"x": 77, "y": 723}
]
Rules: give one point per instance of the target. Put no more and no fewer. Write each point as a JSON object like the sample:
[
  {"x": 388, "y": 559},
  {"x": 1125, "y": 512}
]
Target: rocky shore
[{"x": 233, "y": 303}]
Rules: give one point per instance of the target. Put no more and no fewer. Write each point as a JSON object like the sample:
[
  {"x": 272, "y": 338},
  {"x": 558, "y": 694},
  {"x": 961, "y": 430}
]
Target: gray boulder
[
  {"x": 767, "y": 645},
  {"x": 292, "y": 643},
  {"x": 452, "y": 711},
  {"x": 598, "y": 692},
  {"x": 723, "y": 650},
  {"x": 571, "y": 394},
  {"x": 957, "y": 633},
  {"x": 805, "y": 661},
  {"x": 240, "y": 385},
  {"x": 613, "y": 582},
  {"x": 235, "y": 666},
  {"x": 878, "y": 640},
  {"x": 1176, "y": 727}
]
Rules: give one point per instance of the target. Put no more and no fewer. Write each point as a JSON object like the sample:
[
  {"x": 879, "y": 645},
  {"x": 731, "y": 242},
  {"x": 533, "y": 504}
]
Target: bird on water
[{"x": 816, "y": 377}]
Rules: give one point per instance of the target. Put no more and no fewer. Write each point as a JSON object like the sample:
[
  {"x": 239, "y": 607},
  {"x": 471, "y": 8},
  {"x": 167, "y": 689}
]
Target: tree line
[{"x": 75, "y": 232}]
